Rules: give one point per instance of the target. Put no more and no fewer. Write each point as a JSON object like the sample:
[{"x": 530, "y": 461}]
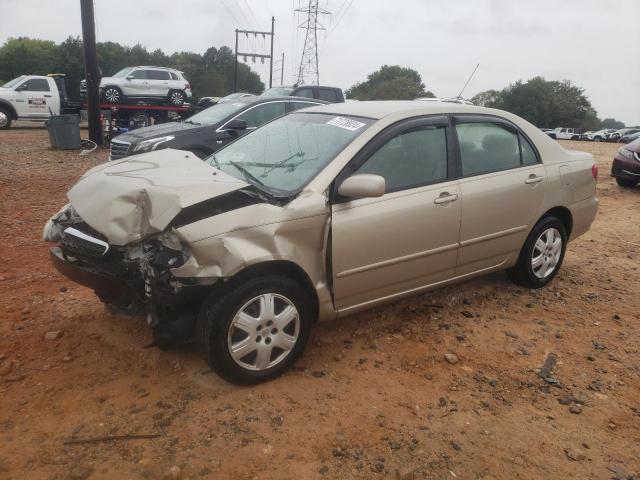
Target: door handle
[
  {"x": 445, "y": 198},
  {"x": 48, "y": 96},
  {"x": 533, "y": 179}
]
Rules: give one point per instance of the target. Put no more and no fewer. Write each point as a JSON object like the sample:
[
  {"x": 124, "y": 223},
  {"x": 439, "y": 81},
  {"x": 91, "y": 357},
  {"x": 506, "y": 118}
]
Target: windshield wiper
[{"x": 247, "y": 174}]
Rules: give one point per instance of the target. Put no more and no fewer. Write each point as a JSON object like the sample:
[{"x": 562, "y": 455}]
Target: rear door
[
  {"x": 34, "y": 97},
  {"x": 408, "y": 238},
  {"x": 502, "y": 187},
  {"x": 158, "y": 82}
]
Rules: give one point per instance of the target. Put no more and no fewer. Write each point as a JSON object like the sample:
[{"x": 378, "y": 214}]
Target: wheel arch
[
  {"x": 282, "y": 267},
  {"x": 12, "y": 111},
  {"x": 563, "y": 214}
]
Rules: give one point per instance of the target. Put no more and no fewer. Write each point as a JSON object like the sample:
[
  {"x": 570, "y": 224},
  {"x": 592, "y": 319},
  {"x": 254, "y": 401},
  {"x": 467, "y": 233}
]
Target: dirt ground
[{"x": 372, "y": 397}]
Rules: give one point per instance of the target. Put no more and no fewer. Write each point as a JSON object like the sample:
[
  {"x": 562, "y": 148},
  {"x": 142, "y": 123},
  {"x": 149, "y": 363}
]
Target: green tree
[
  {"x": 69, "y": 59},
  {"x": 545, "y": 103},
  {"x": 22, "y": 56},
  {"x": 391, "y": 82},
  {"x": 612, "y": 123}
]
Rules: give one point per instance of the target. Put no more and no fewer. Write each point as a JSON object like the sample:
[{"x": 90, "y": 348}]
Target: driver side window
[
  {"x": 138, "y": 75},
  {"x": 411, "y": 159},
  {"x": 263, "y": 113}
]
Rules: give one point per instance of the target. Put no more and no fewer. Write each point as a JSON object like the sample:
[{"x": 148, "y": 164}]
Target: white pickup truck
[
  {"x": 33, "y": 97},
  {"x": 562, "y": 133}
]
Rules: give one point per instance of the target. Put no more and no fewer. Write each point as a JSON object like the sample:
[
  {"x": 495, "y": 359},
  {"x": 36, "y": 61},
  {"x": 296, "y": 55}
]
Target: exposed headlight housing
[{"x": 152, "y": 144}]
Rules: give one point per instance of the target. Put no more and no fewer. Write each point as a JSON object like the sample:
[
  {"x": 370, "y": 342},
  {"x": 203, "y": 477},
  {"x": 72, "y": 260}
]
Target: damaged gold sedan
[{"x": 318, "y": 214}]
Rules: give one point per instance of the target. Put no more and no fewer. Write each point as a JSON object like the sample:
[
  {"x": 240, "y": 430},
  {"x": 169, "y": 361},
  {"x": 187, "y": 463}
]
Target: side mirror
[
  {"x": 236, "y": 125},
  {"x": 130, "y": 77},
  {"x": 363, "y": 185}
]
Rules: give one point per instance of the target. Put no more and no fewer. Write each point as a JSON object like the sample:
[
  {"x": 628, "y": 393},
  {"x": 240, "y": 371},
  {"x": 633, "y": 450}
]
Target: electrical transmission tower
[{"x": 309, "y": 62}]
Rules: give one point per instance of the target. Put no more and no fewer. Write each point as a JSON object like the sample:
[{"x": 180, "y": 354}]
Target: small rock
[
  {"x": 63, "y": 289},
  {"x": 53, "y": 335},
  {"x": 616, "y": 316},
  {"x": 576, "y": 408},
  {"x": 67, "y": 358},
  {"x": 456, "y": 446},
  {"x": 591, "y": 358},
  {"x": 568, "y": 400},
  {"x": 378, "y": 467},
  {"x": 174, "y": 473},
  {"x": 79, "y": 472},
  {"x": 511, "y": 334},
  {"x": 575, "y": 455},
  {"x": 467, "y": 314},
  {"x": 6, "y": 368},
  {"x": 318, "y": 373},
  {"x": 323, "y": 470},
  {"x": 451, "y": 358}
]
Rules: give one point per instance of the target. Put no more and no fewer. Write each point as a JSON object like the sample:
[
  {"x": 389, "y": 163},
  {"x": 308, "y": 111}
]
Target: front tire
[
  {"x": 542, "y": 254},
  {"x": 256, "y": 329},
  {"x": 176, "y": 97},
  {"x": 112, "y": 94},
  {"x": 625, "y": 182},
  {"x": 5, "y": 119}
]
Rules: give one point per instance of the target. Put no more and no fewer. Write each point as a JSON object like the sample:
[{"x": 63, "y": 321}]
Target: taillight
[
  {"x": 594, "y": 171},
  {"x": 187, "y": 86}
]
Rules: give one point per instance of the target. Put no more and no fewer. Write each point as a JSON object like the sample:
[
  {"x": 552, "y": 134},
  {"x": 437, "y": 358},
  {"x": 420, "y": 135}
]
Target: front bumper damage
[{"x": 135, "y": 278}]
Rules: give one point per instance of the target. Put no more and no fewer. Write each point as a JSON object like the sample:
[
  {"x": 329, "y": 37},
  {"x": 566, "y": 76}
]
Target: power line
[
  {"x": 230, "y": 12},
  {"x": 344, "y": 13},
  {"x": 244, "y": 15}
]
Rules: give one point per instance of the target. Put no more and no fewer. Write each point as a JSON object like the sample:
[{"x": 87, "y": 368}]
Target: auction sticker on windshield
[{"x": 345, "y": 123}]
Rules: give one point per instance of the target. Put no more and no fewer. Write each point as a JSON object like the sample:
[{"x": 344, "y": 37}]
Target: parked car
[
  {"x": 618, "y": 134},
  {"x": 319, "y": 214},
  {"x": 155, "y": 83},
  {"x": 630, "y": 137},
  {"x": 209, "y": 130},
  {"x": 562, "y": 133},
  {"x": 235, "y": 96},
  {"x": 319, "y": 92},
  {"x": 600, "y": 135},
  {"x": 33, "y": 98},
  {"x": 585, "y": 135},
  {"x": 626, "y": 164}
]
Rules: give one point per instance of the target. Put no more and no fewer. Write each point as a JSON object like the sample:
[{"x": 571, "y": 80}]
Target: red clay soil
[{"x": 372, "y": 397}]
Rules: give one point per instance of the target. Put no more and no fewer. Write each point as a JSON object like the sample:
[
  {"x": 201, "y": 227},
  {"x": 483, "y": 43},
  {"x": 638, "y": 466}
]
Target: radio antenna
[{"x": 468, "y": 80}]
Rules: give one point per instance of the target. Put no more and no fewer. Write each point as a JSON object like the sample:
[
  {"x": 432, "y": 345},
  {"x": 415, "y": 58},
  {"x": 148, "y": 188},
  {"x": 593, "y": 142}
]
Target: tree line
[{"x": 210, "y": 73}]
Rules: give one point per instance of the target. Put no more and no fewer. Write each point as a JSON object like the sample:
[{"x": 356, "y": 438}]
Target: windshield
[
  {"x": 13, "y": 82},
  {"x": 216, "y": 113},
  {"x": 122, "y": 73},
  {"x": 278, "y": 92},
  {"x": 282, "y": 156}
]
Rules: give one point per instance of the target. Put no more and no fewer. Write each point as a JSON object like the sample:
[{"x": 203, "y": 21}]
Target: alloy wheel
[
  {"x": 546, "y": 253},
  {"x": 176, "y": 98},
  {"x": 4, "y": 119},
  {"x": 263, "y": 332},
  {"x": 112, "y": 95}
]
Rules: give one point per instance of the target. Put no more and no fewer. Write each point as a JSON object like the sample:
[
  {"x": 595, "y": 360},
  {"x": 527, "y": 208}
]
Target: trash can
[{"x": 64, "y": 131}]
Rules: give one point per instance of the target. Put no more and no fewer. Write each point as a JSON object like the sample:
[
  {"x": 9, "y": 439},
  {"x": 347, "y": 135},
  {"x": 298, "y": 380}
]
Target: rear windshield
[
  {"x": 282, "y": 156},
  {"x": 216, "y": 113}
]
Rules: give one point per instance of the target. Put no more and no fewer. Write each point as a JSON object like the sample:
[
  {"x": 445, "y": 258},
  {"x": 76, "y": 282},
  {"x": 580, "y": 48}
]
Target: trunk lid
[{"x": 130, "y": 199}]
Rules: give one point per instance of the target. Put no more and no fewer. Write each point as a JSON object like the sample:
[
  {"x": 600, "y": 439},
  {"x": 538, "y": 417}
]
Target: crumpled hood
[{"x": 130, "y": 199}]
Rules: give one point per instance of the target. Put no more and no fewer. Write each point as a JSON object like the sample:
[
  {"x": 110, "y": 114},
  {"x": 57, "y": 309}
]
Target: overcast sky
[{"x": 593, "y": 43}]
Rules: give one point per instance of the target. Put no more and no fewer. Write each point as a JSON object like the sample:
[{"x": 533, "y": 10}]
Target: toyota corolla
[{"x": 319, "y": 214}]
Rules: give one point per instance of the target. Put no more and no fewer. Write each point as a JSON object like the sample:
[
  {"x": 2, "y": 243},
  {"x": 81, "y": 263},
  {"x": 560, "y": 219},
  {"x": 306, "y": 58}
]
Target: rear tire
[
  {"x": 542, "y": 255},
  {"x": 625, "y": 182},
  {"x": 254, "y": 330},
  {"x": 5, "y": 119},
  {"x": 176, "y": 97},
  {"x": 112, "y": 94}
]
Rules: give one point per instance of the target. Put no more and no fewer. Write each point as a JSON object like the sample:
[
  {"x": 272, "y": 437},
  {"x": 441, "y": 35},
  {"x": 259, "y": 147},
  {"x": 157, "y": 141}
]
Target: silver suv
[{"x": 146, "y": 82}]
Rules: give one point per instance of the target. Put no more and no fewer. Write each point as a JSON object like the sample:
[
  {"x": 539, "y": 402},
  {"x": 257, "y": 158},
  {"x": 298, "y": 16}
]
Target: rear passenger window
[
  {"x": 304, "y": 92},
  {"x": 158, "y": 75},
  {"x": 487, "y": 147},
  {"x": 526, "y": 151},
  {"x": 327, "y": 95},
  {"x": 411, "y": 159}
]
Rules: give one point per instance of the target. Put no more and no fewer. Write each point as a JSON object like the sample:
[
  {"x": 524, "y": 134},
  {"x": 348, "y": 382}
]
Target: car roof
[
  {"x": 256, "y": 100},
  {"x": 158, "y": 68},
  {"x": 379, "y": 109}
]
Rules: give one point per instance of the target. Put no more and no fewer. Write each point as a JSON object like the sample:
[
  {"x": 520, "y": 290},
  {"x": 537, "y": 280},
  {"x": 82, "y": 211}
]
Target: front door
[
  {"x": 407, "y": 239},
  {"x": 34, "y": 98},
  {"x": 502, "y": 188}
]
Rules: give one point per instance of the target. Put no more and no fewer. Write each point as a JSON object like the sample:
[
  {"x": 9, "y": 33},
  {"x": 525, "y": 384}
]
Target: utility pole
[
  {"x": 91, "y": 70},
  {"x": 309, "y": 61},
  {"x": 282, "y": 71},
  {"x": 254, "y": 55}
]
